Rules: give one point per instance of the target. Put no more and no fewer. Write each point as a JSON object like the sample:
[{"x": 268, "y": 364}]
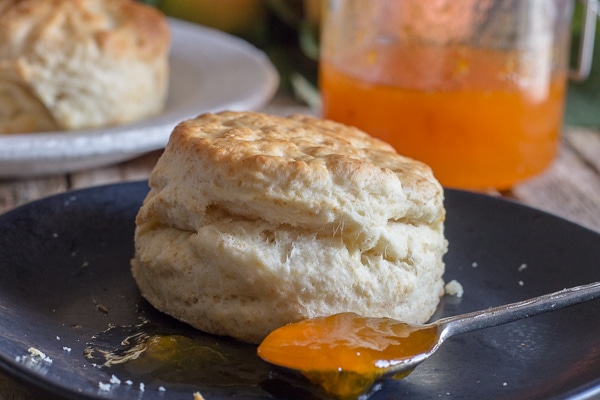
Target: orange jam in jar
[{"x": 483, "y": 111}]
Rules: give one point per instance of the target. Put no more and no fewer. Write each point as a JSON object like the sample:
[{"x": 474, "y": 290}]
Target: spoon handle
[{"x": 512, "y": 312}]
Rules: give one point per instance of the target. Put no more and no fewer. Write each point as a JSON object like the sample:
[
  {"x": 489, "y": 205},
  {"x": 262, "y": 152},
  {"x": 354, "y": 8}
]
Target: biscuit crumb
[
  {"x": 198, "y": 396},
  {"x": 454, "y": 288},
  {"x": 37, "y": 353}
]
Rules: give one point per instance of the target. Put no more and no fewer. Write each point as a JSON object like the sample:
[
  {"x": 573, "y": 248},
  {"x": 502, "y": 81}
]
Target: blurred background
[{"x": 288, "y": 32}]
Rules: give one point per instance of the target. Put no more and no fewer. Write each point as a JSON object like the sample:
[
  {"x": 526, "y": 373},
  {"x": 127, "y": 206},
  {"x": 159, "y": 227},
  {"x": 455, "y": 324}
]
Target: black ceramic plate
[{"x": 64, "y": 277}]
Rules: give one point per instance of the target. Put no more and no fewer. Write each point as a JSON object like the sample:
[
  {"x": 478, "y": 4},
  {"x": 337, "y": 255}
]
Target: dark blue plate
[{"x": 64, "y": 277}]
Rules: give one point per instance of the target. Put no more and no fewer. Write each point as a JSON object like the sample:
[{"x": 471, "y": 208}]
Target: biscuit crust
[{"x": 254, "y": 221}]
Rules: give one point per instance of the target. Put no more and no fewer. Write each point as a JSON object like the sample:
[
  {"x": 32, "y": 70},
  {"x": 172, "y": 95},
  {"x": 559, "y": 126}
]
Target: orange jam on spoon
[{"x": 345, "y": 353}]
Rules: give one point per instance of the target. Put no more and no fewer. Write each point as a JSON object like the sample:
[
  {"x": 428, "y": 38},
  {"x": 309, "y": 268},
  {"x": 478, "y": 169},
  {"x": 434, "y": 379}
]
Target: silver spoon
[
  {"x": 320, "y": 340},
  {"x": 458, "y": 324}
]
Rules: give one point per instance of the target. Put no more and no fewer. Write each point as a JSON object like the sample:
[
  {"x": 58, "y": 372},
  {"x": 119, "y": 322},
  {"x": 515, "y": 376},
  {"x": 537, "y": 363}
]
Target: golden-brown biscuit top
[
  {"x": 118, "y": 27},
  {"x": 300, "y": 171}
]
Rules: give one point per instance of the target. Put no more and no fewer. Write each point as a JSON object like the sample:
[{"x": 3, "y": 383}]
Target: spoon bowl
[{"x": 346, "y": 354}]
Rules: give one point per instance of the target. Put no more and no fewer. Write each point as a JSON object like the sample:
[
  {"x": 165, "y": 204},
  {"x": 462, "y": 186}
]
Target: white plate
[{"x": 210, "y": 71}]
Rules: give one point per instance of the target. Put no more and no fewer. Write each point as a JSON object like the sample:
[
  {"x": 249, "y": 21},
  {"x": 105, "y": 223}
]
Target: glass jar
[{"x": 474, "y": 88}]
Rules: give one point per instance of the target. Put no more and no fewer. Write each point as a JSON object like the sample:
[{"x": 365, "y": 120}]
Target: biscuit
[
  {"x": 254, "y": 221},
  {"x": 77, "y": 64}
]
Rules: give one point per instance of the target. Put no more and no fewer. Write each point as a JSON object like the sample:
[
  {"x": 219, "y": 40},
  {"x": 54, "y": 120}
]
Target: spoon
[{"x": 346, "y": 354}]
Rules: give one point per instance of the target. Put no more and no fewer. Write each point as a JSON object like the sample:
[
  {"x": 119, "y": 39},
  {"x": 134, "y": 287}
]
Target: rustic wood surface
[{"x": 570, "y": 188}]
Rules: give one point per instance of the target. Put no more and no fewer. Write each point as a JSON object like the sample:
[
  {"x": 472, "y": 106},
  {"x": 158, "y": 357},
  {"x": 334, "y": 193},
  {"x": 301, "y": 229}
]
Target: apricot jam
[
  {"x": 478, "y": 123},
  {"x": 345, "y": 353}
]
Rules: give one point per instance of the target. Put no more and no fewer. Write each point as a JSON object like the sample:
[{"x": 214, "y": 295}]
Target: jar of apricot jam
[{"x": 475, "y": 89}]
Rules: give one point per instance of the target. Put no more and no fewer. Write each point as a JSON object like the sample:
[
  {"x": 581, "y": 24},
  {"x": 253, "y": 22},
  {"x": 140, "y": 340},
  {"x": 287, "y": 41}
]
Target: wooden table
[{"x": 570, "y": 188}]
